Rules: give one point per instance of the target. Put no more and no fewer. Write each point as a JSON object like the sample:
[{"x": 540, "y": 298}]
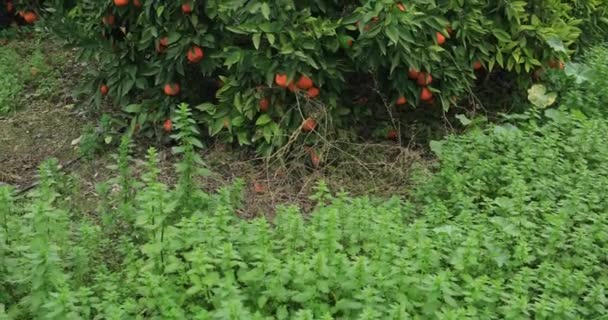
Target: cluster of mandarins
[
  {"x": 305, "y": 84},
  {"x": 194, "y": 55},
  {"x": 9, "y": 15}
]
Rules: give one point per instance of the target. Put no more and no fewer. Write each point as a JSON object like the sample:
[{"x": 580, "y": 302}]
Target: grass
[
  {"x": 11, "y": 82},
  {"x": 24, "y": 68}
]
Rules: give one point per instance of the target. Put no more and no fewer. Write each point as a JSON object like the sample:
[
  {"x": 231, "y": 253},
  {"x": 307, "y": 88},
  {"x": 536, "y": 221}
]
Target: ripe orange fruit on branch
[
  {"x": 556, "y": 64},
  {"x": 121, "y": 3},
  {"x": 477, "y": 65},
  {"x": 426, "y": 94},
  {"x": 109, "y": 20},
  {"x": 314, "y": 158},
  {"x": 292, "y": 87},
  {"x": 401, "y": 101},
  {"x": 195, "y": 54},
  {"x": 401, "y": 7},
  {"x": 104, "y": 89},
  {"x": 424, "y": 79},
  {"x": 362, "y": 100},
  {"x": 264, "y": 104},
  {"x": 259, "y": 188},
  {"x": 30, "y": 17},
  {"x": 450, "y": 30},
  {"x": 413, "y": 74},
  {"x": 168, "y": 125},
  {"x": 281, "y": 80},
  {"x": 309, "y": 125},
  {"x": 186, "y": 8},
  {"x": 304, "y": 83},
  {"x": 137, "y": 3},
  {"x": 392, "y": 134},
  {"x": 171, "y": 89},
  {"x": 312, "y": 92},
  {"x": 164, "y": 41},
  {"x": 9, "y": 7},
  {"x": 440, "y": 38}
]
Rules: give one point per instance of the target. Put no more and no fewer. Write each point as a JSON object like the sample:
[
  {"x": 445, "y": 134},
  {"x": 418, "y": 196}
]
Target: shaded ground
[
  {"x": 46, "y": 122},
  {"x": 31, "y": 136}
]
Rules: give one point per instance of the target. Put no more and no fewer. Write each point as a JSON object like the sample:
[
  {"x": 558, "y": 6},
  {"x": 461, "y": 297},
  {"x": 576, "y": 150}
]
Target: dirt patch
[
  {"x": 29, "y": 137},
  {"x": 376, "y": 169}
]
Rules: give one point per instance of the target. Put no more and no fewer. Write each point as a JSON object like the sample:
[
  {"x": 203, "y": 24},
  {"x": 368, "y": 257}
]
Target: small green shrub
[
  {"x": 584, "y": 83},
  {"x": 512, "y": 225}
]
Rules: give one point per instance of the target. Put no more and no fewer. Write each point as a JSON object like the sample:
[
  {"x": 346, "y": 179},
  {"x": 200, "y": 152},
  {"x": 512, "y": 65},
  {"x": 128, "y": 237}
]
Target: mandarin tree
[{"x": 226, "y": 57}]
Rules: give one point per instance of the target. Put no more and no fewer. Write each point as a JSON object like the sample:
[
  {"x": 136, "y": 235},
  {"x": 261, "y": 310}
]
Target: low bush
[
  {"x": 583, "y": 83},
  {"x": 512, "y": 225}
]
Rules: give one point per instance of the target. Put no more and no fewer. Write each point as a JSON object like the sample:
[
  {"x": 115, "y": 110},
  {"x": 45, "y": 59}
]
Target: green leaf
[
  {"x": 238, "y": 121},
  {"x": 159, "y": 10},
  {"x": 174, "y": 37},
  {"x": 501, "y": 35},
  {"x": 256, "y": 40},
  {"x": 262, "y": 120},
  {"x": 233, "y": 58},
  {"x": 209, "y": 108},
  {"x": 463, "y": 119},
  {"x": 133, "y": 108},
  {"x": 539, "y": 97},
  {"x": 556, "y": 44},
  {"x": 580, "y": 72},
  {"x": 270, "y": 37},
  {"x": 243, "y": 138},
  {"x": 392, "y": 33},
  {"x": 266, "y": 10},
  {"x": 436, "y": 147}
]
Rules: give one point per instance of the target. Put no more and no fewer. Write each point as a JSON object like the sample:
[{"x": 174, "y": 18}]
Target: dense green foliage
[
  {"x": 585, "y": 83},
  {"x": 358, "y": 54},
  {"x": 513, "y": 224}
]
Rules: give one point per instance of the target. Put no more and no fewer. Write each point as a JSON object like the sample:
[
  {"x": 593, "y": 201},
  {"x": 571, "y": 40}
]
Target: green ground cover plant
[
  {"x": 583, "y": 83},
  {"x": 20, "y": 67},
  {"x": 10, "y": 84},
  {"x": 512, "y": 224}
]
